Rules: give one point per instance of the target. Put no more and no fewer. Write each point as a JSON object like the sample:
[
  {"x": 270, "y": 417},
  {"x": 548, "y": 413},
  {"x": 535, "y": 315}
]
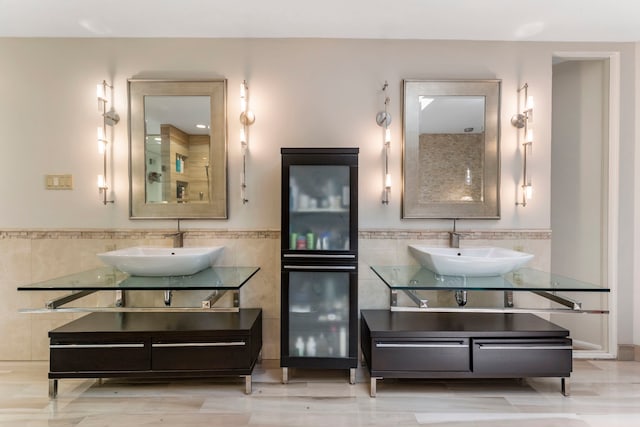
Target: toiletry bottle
[
  {"x": 300, "y": 346},
  {"x": 332, "y": 341},
  {"x": 301, "y": 243},
  {"x": 311, "y": 347},
  {"x": 325, "y": 241},
  {"x": 343, "y": 342}
]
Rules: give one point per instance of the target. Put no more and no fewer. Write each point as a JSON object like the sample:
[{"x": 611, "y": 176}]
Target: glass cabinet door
[
  {"x": 319, "y": 310},
  {"x": 319, "y": 207}
]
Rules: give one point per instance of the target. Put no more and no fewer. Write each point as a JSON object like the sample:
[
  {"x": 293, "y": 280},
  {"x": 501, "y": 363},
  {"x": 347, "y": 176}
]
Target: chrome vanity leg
[
  {"x": 247, "y": 384},
  {"x": 352, "y": 375},
  {"x": 285, "y": 375},
  {"x": 372, "y": 389},
  {"x": 566, "y": 388},
  {"x": 53, "y": 389}
]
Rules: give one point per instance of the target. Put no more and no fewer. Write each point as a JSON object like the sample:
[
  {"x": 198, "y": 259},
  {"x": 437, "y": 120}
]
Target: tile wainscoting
[{"x": 35, "y": 255}]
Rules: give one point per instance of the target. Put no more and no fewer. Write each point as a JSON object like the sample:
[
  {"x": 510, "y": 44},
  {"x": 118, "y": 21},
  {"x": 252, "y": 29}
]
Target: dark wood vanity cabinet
[
  {"x": 463, "y": 345},
  {"x": 157, "y": 345}
]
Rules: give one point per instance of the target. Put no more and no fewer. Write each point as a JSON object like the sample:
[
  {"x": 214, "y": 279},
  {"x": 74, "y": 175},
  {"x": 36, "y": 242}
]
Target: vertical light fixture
[
  {"x": 109, "y": 118},
  {"x": 247, "y": 118},
  {"x": 383, "y": 119},
  {"x": 523, "y": 120}
]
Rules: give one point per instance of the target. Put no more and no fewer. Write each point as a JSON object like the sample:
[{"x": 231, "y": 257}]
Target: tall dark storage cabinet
[{"x": 319, "y": 320}]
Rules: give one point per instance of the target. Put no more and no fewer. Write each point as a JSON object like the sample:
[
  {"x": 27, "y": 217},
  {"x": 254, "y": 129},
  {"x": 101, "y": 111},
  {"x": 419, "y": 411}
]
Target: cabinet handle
[
  {"x": 141, "y": 345},
  {"x": 422, "y": 345},
  {"x": 201, "y": 344},
  {"x": 326, "y": 256},
  {"x": 523, "y": 347},
  {"x": 319, "y": 267}
]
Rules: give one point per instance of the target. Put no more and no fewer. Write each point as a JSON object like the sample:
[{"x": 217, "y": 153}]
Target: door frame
[{"x": 610, "y": 259}]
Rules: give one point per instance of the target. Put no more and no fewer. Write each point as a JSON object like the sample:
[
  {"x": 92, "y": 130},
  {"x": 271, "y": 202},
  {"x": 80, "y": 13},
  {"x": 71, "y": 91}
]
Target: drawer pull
[
  {"x": 319, "y": 267},
  {"x": 423, "y": 345},
  {"x": 524, "y": 347},
  {"x": 201, "y": 344},
  {"x": 321, "y": 256},
  {"x": 97, "y": 345}
]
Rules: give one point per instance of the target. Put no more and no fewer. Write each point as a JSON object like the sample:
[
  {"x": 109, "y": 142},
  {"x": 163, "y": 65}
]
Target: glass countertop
[
  {"x": 112, "y": 279},
  {"x": 416, "y": 277}
]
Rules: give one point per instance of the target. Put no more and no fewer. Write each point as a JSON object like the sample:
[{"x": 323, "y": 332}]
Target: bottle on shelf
[
  {"x": 343, "y": 341},
  {"x": 311, "y": 347},
  {"x": 300, "y": 346}
]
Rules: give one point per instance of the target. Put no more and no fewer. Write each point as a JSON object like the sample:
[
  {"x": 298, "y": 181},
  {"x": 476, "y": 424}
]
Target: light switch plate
[{"x": 59, "y": 182}]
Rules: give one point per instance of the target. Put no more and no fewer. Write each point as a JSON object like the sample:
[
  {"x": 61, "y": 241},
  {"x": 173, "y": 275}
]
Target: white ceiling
[{"x": 539, "y": 20}]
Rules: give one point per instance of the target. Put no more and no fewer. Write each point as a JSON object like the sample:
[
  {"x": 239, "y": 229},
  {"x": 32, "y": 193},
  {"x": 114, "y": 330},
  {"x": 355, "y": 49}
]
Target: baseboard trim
[{"x": 628, "y": 352}]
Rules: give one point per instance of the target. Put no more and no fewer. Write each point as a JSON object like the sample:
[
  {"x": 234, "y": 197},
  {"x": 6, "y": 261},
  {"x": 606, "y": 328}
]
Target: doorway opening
[{"x": 584, "y": 152}]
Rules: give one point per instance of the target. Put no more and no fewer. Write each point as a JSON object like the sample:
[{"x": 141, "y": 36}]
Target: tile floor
[{"x": 603, "y": 393}]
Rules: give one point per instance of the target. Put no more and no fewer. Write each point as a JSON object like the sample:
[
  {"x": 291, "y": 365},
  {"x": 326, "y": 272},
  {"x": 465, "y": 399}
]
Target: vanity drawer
[
  {"x": 98, "y": 356},
  {"x": 434, "y": 354},
  {"x": 522, "y": 357},
  {"x": 213, "y": 353}
]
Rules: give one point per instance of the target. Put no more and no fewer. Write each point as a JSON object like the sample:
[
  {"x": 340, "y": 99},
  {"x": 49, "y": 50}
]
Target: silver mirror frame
[
  {"x": 489, "y": 206},
  {"x": 218, "y": 206}
]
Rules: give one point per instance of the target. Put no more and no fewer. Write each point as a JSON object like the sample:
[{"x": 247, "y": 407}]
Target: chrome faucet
[
  {"x": 454, "y": 237},
  {"x": 178, "y": 237}
]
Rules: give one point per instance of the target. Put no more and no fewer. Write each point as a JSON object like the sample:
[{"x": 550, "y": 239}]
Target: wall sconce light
[
  {"x": 383, "y": 119},
  {"x": 247, "y": 118},
  {"x": 109, "y": 118},
  {"x": 522, "y": 120}
]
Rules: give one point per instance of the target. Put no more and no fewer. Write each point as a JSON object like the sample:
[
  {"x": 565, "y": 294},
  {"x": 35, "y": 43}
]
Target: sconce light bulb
[
  {"x": 100, "y": 132},
  {"x": 387, "y": 181},
  {"x": 387, "y": 136},
  {"x": 529, "y": 135},
  {"x": 528, "y": 191},
  {"x": 100, "y": 92},
  {"x": 243, "y": 90},
  {"x": 102, "y": 147},
  {"x": 101, "y": 183},
  {"x": 529, "y": 105},
  {"x": 243, "y": 135}
]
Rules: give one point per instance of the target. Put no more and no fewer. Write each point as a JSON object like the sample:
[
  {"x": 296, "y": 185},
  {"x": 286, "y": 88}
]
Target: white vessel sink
[
  {"x": 482, "y": 261},
  {"x": 150, "y": 261}
]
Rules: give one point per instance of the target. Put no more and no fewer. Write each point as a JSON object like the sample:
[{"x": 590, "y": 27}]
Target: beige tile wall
[{"x": 31, "y": 256}]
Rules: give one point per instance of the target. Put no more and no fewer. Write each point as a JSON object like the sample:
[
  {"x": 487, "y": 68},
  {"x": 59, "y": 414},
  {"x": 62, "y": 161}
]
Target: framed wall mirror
[
  {"x": 178, "y": 149},
  {"x": 451, "y": 158}
]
